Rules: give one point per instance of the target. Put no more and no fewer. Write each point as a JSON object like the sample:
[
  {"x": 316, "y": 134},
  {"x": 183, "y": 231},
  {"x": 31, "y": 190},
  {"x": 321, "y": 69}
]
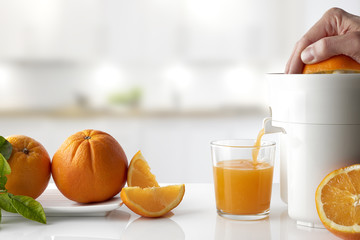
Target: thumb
[{"x": 347, "y": 44}]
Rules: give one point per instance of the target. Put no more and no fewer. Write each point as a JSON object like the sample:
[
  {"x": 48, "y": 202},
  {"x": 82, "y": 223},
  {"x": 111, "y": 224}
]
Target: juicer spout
[{"x": 269, "y": 128}]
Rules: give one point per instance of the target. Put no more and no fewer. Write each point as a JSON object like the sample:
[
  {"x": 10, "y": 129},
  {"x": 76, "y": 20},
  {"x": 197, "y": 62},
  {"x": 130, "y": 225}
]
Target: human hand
[{"x": 337, "y": 32}]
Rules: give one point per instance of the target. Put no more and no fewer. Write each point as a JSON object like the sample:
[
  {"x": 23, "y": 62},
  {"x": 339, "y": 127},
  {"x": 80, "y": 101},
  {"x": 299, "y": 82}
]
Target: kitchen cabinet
[
  {"x": 54, "y": 31},
  {"x": 176, "y": 145}
]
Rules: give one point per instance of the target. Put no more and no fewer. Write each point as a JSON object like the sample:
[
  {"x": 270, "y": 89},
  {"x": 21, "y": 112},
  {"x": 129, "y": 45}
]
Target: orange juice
[
  {"x": 242, "y": 186},
  {"x": 255, "y": 151}
]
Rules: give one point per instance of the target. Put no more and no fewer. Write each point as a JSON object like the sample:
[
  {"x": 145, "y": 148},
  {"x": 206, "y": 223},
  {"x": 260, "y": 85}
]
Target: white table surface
[{"x": 194, "y": 218}]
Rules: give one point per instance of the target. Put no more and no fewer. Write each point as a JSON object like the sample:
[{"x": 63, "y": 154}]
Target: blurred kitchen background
[{"x": 165, "y": 77}]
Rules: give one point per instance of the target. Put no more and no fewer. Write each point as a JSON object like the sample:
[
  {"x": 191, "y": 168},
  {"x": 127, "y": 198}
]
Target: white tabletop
[{"x": 194, "y": 218}]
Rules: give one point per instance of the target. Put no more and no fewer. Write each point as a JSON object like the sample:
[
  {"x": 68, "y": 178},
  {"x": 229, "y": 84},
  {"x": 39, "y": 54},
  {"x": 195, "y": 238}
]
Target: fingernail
[{"x": 307, "y": 56}]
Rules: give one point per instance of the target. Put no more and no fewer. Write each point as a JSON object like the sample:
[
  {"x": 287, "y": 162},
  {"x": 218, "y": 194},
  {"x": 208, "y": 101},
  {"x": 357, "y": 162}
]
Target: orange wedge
[
  {"x": 139, "y": 174},
  {"x": 336, "y": 64},
  {"x": 152, "y": 202},
  {"x": 338, "y": 202}
]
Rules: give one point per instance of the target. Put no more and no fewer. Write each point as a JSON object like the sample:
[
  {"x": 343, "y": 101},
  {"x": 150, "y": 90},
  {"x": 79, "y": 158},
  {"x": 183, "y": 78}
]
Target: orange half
[
  {"x": 336, "y": 64},
  {"x": 338, "y": 202},
  {"x": 139, "y": 174},
  {"x": 152, "y": 202}
]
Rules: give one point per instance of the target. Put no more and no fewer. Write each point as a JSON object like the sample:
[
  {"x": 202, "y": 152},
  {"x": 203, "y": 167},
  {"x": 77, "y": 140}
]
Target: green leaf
[
  {"x": 28, "y": 208},
  {"x": 6, "y": 203},
  {"x": 3, "y": 181},
  {"x": 5, "y": 148},
  {"x": 4, "y": 166}
]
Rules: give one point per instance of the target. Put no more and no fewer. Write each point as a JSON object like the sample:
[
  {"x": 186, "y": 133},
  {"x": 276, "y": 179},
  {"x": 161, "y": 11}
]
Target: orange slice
[
  {"x": 336, "y": 64},
  {"x": 338, "y": 202},
  {"x": 139, "y": 174},
  {"x": 152, "y": 202}
]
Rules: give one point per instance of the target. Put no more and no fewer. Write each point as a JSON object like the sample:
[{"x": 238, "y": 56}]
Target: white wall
[{"x": 181, "y": 53}]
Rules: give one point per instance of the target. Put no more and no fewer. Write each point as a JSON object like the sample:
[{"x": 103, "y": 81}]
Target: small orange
[
  {"x": 339, "y": 63},
  {"x": 152, "y": 202},
  {"x": 139, "y": 174},
  {"x": 90, "y": 166},
  {"x": 30, "y": 167},
  {"x": 338, "y": 202}
]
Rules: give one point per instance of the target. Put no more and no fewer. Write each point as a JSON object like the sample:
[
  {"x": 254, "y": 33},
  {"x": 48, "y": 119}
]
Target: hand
[{"x": 337, "y": 32}]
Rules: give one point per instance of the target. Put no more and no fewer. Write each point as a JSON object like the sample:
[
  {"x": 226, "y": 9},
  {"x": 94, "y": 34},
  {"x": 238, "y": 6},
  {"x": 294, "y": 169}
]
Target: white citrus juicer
[{"x": 319, "y": 116}]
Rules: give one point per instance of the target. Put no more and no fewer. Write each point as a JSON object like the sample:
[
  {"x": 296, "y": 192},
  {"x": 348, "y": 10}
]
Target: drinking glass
[{"x": 243, "y": 175}]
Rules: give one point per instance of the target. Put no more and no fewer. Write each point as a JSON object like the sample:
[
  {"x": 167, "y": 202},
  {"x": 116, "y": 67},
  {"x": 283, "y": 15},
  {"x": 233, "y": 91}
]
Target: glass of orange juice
[{"x": 243, "y": 175}]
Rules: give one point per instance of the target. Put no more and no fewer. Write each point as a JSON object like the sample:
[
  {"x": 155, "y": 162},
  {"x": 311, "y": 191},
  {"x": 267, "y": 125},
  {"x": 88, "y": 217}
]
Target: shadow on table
[
  {"x": 78, "y": 228},
  {"x": 227, "y": 229},
  {"x": 153, "y": 228},
  {"x": 289, "y": 230}
]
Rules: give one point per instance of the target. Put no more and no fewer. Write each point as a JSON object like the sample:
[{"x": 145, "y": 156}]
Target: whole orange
[
  {"x": 30, "y": 167},
  {"x": 90, "y": 166}
]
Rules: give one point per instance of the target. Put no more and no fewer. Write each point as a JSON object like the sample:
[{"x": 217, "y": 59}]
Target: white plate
[{"x": 55, "y": 204}]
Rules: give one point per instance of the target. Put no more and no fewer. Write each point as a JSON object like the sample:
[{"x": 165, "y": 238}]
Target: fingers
[
  {"x": 328, "y": 25},
  {"x": 347, "y": 44},
  {"x": 295, "y": 64}
]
